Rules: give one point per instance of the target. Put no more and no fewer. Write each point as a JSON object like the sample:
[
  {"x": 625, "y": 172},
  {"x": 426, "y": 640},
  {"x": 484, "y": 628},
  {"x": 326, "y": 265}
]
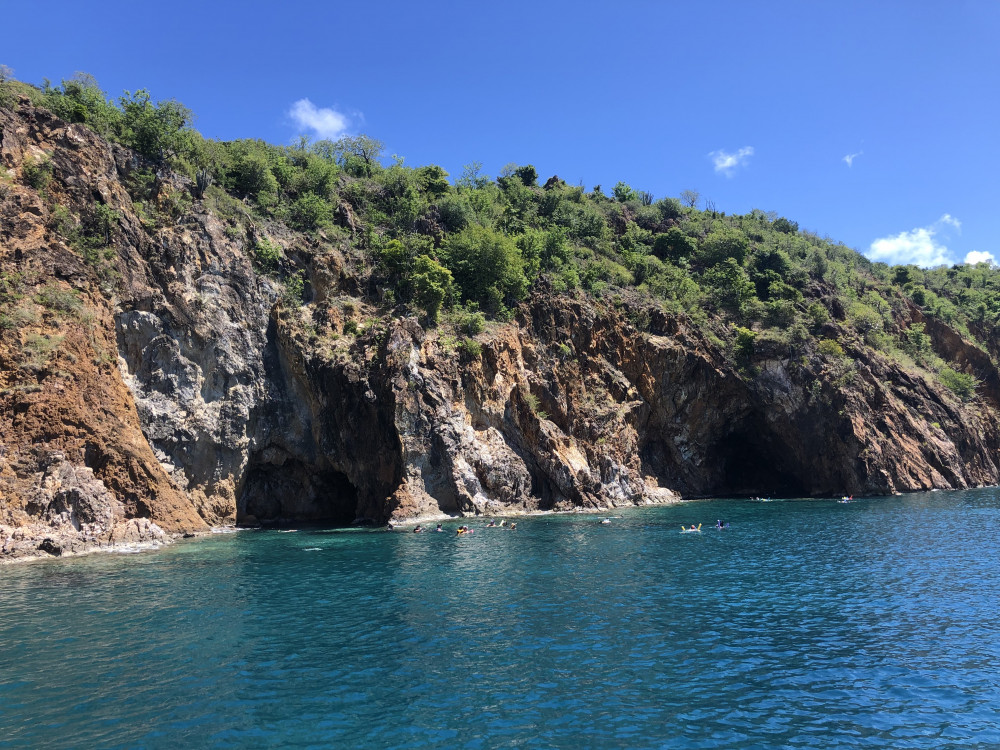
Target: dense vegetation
[{"x": 469, "y": 249}]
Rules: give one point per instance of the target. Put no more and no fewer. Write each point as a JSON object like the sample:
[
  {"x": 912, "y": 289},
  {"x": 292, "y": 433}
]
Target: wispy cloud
[
  {"x": 922, "y": 246},
  {"x": 977, "y": 256},
  {"x": 950, "y": 220},
  {"x": 727, "y": 163},
  {"x": 851, "y": 157},
  {"x": 323, "y": 122}
]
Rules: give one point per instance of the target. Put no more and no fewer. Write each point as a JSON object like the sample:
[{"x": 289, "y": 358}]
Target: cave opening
[
  {"x": 296, "y": 492},
  {"x": 752, "y": 463}
]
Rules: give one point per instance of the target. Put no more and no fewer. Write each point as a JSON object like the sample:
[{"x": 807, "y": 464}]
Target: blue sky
[{"x": 873, "y": 123}]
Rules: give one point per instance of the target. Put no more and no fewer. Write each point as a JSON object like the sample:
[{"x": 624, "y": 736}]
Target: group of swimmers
[
  {"x": 719, "y": 526},
  {"x": 418, "y": 529}
]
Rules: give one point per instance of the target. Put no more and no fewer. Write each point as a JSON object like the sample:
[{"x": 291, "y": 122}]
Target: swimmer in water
[{"x": 439, "y": 528}]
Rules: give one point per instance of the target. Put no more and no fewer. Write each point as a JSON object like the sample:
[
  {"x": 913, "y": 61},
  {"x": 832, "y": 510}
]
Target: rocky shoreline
[
  {"x": 73, "y": 513},
  {"x": 60, "y": 537}
]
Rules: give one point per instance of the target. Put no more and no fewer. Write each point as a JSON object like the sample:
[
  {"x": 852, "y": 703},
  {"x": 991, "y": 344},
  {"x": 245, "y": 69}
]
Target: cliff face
[{"x": 163, "y": 386}]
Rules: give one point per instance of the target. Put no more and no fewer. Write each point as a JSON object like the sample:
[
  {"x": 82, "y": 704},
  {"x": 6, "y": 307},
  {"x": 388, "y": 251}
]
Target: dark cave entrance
[
  {"x": 752, "y": 463},
  {"x": 293, "y": 492}
]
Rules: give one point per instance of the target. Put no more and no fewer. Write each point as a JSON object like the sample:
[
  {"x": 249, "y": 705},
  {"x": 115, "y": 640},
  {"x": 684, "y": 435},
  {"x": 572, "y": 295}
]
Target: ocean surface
[{"x": 805, "y": 624}]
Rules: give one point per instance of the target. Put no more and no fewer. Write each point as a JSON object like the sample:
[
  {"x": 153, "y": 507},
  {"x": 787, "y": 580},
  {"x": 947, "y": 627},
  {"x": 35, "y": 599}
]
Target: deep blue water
[{"x": 806, "y": 624}]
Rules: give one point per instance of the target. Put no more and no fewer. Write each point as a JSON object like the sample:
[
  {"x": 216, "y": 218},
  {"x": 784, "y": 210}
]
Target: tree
[
  {"x": 487, "y": 267},
  {"x": 472, "y": 177},
  {"x": 155, "y": 131},
  {"x": 670, "y": 208},
  {"x": 528, "y": 175},
  {"x": 624, "y": 193},
  {"x": 732, "y": 288},
  {"x": 310, "y": 211},
  {"x": 80, "y": 99},
  {"x": 394, "y": 258},
  {"x": 785, "y": 226},
  {"x": 722, "y": 243},
  {"x": 251, "y": 175},
  {"x": 359, "y": 154},
  {"x": 915, "y": 342},
  {"x": 433, "y": 180},
  {"x": 6, "y": 73},
  {"x": 432, "y": 285},
  {"x": 673, "y": 245},
  {"x": 690, "y": 198}
]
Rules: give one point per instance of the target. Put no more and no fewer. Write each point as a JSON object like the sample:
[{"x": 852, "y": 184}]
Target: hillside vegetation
[{"x": 469, "y": 249}]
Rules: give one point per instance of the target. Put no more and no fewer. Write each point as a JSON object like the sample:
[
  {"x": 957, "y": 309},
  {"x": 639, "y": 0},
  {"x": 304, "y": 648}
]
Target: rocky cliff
[{"x": 153, "y": 380}]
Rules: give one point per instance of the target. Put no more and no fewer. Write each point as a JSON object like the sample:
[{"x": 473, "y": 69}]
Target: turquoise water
[{"x": 806, "y": 624}]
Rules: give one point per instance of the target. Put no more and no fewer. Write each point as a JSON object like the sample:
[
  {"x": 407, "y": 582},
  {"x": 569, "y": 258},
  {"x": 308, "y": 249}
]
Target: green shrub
[
  {"x": 818, "y": 314},
  {"x": 64, "y": 223},
  {"x": 40, "y": 347},
  {"x": 743, "y": 343},
  {"x": 267, "y": 255},
  {"x": 432, "y": 285},
  {"x": 470, "y": 349},
  {"x": 22, "y": 316},
  {"x": 470, "y": 321},
  {"x": 37, "y": 172},
  {"x": 57, "y": 298},
  {"x": 251, "y": 175},
  {"x": 11, "y": 286},
  {"x": 830, "y": 348},
  {"x": 722, "y": 244},
  {"x": 673, "y": 245},
  {"x": 961, "y": 384},
  {"x": 80, "y": 99},
  {"x": 534, "y": 405},
  {"x": 487, "y": 267},
  {"x": 295, "y": 287},
  {"x": 310, "y": 211},
  {"x": 916, "y": 343}
]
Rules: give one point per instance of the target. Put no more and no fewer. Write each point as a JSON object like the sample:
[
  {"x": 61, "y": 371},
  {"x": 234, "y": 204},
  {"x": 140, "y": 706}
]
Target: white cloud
[
  {"x": 977, "y": 256},
  {"x": 851, "y": 157},
  {"x": 726, "y": 163},
  {"x": 322, "y": 121},
  {"x": 918, "y": 246},
  {"x": 949, "y": 219}
]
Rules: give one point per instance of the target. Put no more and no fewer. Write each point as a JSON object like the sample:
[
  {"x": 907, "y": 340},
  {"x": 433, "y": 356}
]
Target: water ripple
[{"x": 807, "y": 624}]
